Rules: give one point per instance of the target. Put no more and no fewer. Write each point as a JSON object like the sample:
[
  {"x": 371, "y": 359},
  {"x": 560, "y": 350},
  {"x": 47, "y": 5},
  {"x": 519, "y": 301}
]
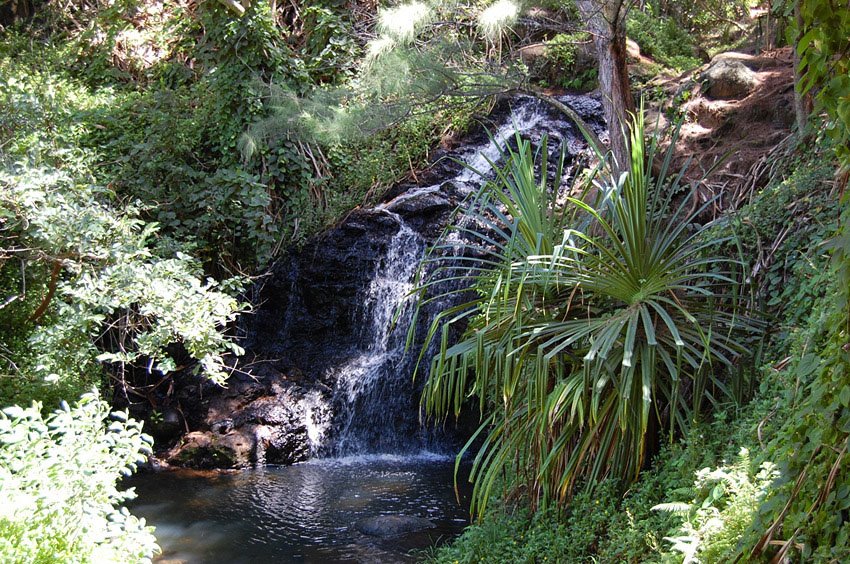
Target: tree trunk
[
  {"x": 802, "y": 102},
  {"x": 606, "y": 20}
]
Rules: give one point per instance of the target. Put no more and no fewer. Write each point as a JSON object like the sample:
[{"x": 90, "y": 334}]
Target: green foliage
[
  {"x": 703, "y": 18},
  {"x": 123, "y": 41},
  {"x": 662, "y": 39},
  {"x": 822, "y": 38},
  {"x": 545, "y": 536},
  {"x": 58, "y": 481},
  {"x": 177, "y": 147},
  {"x": 802, "y": 512},
  {"x": 163, "y": 137},
  {"x": 562, "y": 53},
  {"x": 722, "y": 509},
  {"x": 787, "y": 229},
  {"x": 429, "y": 60},
  {"x": 794, "y": 423},
  {"x": 585, "y": 326},
  {"x": 562, "y": 49},
  {"x": 155, "y": 102},
  {"x": 599, "y": 524},
  {"x": 40, "y": 108},
  {"x": 329, "y": 46},
  {"x": 792, "y": 506},
  {"x": 106, "y": 277},
  {"x": 798, "y": 216}
]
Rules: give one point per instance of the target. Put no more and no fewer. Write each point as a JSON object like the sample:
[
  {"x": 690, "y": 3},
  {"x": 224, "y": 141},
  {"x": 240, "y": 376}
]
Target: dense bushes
[
  {"x": 59, "y": 485},
  {"x": 662, "y": 39},
  {"x": 702, "y": 20},
  {"x": 174, "y": 141},
  {"x": 159, "y": 113},
  {"x": 109, "y": 296}
]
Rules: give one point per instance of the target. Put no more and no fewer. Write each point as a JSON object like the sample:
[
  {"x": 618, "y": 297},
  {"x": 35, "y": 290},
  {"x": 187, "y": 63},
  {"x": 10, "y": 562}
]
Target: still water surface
[{"x": 301, "y": 513}]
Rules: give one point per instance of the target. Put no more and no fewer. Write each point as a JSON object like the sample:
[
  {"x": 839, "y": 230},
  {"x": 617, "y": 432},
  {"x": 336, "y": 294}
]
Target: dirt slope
[{"x": 746, "y": 135}]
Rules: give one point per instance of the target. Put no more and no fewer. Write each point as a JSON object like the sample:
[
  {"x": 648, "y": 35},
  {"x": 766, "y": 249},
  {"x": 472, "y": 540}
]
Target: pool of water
[{"x": 302, "y": 513}]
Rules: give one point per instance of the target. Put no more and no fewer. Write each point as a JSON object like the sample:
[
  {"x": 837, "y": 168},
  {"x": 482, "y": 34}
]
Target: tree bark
[
  {"x": 606, "y": 21},
  {"x": 51, "y": 290},
  {"x": 235, "y": 6},
  {"x": 802, "y": 102}
]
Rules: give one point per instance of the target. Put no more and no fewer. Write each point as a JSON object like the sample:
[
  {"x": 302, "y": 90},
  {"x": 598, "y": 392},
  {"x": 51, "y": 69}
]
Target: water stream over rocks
[{"x": 327, "y": 375}]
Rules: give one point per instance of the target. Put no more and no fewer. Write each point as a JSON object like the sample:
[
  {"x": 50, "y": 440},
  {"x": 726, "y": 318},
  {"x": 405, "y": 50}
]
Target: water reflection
[{"x": 301, "y": 513}]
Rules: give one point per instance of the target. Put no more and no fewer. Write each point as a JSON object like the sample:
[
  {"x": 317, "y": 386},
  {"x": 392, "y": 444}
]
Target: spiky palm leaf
[{"x": 588, "y": 323}]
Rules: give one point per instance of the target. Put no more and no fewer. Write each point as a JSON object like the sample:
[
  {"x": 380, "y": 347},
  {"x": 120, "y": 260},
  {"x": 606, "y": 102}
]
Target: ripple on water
[{"x": 301, "y": 513}]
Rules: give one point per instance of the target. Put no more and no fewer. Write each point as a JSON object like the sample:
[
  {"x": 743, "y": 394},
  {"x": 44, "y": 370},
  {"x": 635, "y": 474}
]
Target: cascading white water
[
  {"x": 375, "y": 405},
  {"x": 525, "y": 117},
  {"x": 316, "y": 420},
  {"x": 368, "y": 389}
]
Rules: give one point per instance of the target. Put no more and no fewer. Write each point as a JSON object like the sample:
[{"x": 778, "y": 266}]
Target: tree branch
[{"x": 51, "y": 290}]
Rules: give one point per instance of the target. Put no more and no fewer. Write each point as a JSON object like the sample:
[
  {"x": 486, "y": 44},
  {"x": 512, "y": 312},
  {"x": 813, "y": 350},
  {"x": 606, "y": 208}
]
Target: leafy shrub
[
  {"x": 106, "y": 282},
  {"x": 797, "y": 418},
  {"x": 721, "y": 511},
  {"x": 165, "y": 132},
  {"x": 176, "y": 146},
  {"x": 663, "y": 40},
  {"x": 803, "y": 513},
  {"x": 702, "y": 18},
  {"x": 328, "y": 47},
  {"x": 562, "y": 52},
  {"x": 791, "y": 508},
  {"x": 786, "y": 229},
  {"x": 58, "y": 483},
  {"x": 40, "y": 107},
  {"x": 822, "y": 41},
  {"x": 599, "y": 524}
]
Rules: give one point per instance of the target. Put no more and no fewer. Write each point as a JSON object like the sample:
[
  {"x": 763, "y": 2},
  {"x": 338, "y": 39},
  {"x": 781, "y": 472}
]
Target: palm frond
[{"x": 588, "y": 320}]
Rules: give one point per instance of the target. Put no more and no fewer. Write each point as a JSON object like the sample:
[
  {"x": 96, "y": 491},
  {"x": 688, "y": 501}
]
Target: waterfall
[
  {"x": 373, "y": 388},
  {"x": 375, "y": 401},
  {"x": 335, "y": 316}
]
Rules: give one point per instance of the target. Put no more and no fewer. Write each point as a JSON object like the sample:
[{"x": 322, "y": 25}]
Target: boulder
[
  {"x": 203, "y": 449},
  {"x": 165, "y": 427},
  {"x": 632, "y": 49},
  {"x": 251, "y": 423},
  {"x": 728, "y": 79},
  {"x": 752, "y": 62},
  {"x": 392, "y": 525},
  {"x": 424, "y": 202},
  {"x": 543, "y": 65}
]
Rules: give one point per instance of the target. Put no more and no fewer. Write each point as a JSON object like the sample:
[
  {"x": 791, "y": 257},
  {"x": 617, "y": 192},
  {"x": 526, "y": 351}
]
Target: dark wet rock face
[
  {"x": 425, "y": 211},
  {"x": 252, "y": 423},
  {"x": 166, "y": 426},
  {"x": 309, "y": 303},
  {"x": 386, "y": 526}
]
